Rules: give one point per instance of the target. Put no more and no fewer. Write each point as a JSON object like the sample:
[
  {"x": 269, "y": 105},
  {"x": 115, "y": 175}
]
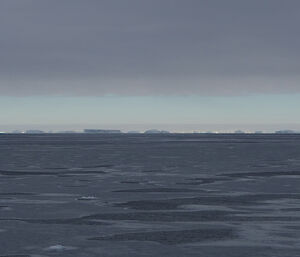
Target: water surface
[{"x": 149, "y": 195}]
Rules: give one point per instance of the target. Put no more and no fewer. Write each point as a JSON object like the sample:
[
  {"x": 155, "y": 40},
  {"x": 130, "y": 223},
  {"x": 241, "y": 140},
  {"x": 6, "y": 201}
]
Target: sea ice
[{"x": 59, "y": 248}]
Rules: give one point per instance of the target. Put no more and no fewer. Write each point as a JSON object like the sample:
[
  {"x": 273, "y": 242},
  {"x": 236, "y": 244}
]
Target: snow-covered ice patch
[
  {"x": 59, "y": 248},
  {"x": 87, "y": 198}
]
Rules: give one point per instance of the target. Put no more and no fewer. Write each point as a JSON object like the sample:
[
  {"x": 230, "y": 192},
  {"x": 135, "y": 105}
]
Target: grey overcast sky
[
  {"x": 149, "y": 47},
  {"x": 99, "y": 63}
]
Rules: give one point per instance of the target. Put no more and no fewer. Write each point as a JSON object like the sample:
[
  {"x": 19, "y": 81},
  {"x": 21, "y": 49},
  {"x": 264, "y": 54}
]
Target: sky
[{"x": 177, "y": 64}]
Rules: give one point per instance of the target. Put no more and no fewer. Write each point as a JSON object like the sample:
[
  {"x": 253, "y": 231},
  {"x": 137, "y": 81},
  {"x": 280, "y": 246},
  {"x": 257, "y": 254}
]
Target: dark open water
[{"x": 150, "y": 195}]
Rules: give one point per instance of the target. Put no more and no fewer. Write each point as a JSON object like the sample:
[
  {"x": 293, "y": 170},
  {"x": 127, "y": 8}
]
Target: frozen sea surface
[{"x": 149, "y": 195}]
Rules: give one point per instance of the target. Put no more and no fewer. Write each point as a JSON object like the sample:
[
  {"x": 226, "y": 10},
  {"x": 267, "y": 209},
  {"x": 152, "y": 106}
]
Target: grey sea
[{"x": 150, "y": 195}]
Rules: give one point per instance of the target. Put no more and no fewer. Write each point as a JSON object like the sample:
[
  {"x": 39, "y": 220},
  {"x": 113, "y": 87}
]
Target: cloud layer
[{"x": 141, "y": 47}]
